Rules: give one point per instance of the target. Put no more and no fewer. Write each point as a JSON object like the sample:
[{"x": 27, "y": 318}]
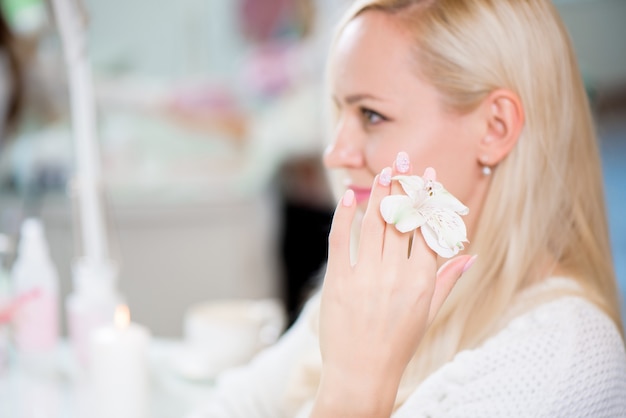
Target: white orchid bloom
[{"x": 427, "y": 205}]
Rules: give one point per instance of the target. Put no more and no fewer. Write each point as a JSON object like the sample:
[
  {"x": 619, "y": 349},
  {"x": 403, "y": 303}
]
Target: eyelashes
[
  {"x": 367, "y": 116},
  {"x": 371, "y": 117}
]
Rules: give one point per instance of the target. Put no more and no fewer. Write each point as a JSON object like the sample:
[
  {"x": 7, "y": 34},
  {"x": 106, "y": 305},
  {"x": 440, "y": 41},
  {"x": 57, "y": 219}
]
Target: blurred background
[{"x": 210, "y": 123}]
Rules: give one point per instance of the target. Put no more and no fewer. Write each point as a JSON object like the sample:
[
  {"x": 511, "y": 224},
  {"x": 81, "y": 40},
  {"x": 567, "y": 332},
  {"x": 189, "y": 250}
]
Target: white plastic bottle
[
  {"x": 91, "y": 305},
  {"x": 36, "y": 322}
]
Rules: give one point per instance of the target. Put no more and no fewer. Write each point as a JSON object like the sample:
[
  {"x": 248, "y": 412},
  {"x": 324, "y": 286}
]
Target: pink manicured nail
[
  {"x": 348, "y": 198},
  {"x": 385, "y": 177},
  {"x": 430, "y": 174},
  {"x": 402, "y": 162},
  {"x": 469, "y": 263}
]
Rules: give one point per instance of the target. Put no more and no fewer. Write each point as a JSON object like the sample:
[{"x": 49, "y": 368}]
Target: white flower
[{"x": 427, "y": 205}]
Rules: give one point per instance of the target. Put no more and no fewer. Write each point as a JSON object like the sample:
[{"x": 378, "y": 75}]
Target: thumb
[{"x": 447, "y": 276}]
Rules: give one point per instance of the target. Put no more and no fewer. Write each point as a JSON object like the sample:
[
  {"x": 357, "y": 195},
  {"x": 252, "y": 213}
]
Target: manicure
[
  {"x": 385, "y": 177},
  {"x": 430, "y": 174},
  {"x": 402, "y": 162},
  {"x": 348, "y": 198},
  {"x": 469, "y": 263}
]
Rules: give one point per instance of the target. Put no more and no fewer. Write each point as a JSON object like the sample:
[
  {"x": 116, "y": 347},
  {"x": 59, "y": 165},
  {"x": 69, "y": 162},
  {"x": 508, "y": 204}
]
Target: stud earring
[{"x": 486, "y": 170}]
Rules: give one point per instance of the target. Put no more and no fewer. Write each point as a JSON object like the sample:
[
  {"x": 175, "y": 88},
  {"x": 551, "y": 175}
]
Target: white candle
[{"x": 119, "y": 368}]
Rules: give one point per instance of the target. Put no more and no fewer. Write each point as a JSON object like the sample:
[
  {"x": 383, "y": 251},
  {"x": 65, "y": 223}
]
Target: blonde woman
[{"x": 485, "y": 97}]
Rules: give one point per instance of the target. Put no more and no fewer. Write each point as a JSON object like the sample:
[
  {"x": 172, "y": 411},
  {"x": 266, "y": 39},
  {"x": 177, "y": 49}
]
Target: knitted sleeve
[{"x": 564, "y": 359}]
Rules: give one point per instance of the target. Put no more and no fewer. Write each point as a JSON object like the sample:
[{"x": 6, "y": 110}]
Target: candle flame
[{"x": 122, "y": 316}]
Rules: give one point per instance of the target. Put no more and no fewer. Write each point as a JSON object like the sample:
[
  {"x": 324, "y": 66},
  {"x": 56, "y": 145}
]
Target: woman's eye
[{"x": 372, "y": 117}]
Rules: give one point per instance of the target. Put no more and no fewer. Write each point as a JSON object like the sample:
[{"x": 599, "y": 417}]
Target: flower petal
[
  {"x": 413, "y": 186},
  {"x": 399, "y": 211},
  {"x": 410, "y": 221},
  {"x": 393, "y": 205},
  {"x": 427, "y": 204},
  {"x": 433, "y": 242},
  {"x": 448, "y": 227},
  {"x": 445, "y": 200}
]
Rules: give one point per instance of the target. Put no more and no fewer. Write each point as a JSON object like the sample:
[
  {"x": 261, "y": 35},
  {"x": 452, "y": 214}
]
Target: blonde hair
[{"x": 545, "y": 206}]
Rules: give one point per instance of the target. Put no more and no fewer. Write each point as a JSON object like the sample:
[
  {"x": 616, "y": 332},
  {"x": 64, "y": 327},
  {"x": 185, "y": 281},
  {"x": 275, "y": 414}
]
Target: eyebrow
[{"x": 354, "y": 98}]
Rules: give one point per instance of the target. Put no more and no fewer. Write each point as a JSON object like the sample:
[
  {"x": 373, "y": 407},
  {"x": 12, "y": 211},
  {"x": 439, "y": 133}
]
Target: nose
[{"x": 346, "y": 150}]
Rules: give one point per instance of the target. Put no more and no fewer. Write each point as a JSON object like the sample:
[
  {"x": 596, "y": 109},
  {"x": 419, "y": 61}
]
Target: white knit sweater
[{"x": 564, "y": 358}]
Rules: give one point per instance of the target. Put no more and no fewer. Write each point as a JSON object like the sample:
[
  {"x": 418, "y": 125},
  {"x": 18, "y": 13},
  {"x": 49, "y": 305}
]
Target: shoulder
[
  {"x": 569, "y": 352},
  {"x": 566, "y": 324},
  {"x": 563, "y": 358},
  {"x": 566, "y": 343},
  {"x": 569, "y": 335}
]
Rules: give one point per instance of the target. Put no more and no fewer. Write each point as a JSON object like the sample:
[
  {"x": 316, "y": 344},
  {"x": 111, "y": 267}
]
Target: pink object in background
[
  {"x": 36, "y": 323},
  {"x": 8, "y": 310},
  {"x": 261, "y": 19},
  {"x": 207, "y": 96},
  {"x": 270, "y": 68}
]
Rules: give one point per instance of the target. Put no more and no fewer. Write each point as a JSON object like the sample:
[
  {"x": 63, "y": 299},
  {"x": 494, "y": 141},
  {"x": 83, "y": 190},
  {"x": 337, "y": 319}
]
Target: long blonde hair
[{"x": 545, "y": 206}]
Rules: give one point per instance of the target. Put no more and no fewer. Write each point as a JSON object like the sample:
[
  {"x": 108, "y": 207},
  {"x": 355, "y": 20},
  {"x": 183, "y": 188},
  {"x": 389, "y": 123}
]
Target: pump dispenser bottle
[{"x": 36, "y": 323}]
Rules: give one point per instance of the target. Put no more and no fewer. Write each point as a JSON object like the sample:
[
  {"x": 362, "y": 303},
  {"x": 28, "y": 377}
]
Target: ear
[{"x": 504, "y": 116}]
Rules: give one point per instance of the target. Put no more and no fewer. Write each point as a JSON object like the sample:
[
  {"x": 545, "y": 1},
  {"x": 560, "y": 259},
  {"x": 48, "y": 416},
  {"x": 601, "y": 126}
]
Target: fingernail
[
  {"x": 430, "y": 174},
  {"x": 348, "y": 198},
  {"x": 469, "y": 263},
  {"x": 385, "y": 177},
  {"x": 402, "y": 162}
]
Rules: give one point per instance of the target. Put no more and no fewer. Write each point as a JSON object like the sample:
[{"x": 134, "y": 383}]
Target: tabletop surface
[{"x": 62, "y": 389}]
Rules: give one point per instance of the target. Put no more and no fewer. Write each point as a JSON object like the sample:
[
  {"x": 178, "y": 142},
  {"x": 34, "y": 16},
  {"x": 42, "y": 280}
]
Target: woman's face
[{"x": 383, "y": 108}]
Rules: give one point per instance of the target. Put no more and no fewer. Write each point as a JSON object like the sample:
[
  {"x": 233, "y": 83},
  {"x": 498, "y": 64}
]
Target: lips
[{"x": 361, "y": 194}]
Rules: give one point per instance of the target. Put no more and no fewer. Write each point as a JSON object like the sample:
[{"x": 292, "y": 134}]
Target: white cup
[{"x": 229, "y": 332}]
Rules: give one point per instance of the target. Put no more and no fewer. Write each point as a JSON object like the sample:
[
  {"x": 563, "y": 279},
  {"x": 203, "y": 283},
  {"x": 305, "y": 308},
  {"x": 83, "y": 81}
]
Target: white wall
[
  {"x": 165, "y": 38},
  {"x": 173, "y": 38}
]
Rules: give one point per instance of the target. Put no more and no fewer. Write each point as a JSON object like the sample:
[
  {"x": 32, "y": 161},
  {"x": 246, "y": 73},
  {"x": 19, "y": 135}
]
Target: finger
[
  {"x": 373, "y": 224},
  {"x": 422, "y": 263},
  {"x": 339, "y": 236},
  {"x": 430, "y": 174},
  {"x": 422, "y": 257},
  {"x": 396, "y": 243},
  {"x": 402, "y": 164},
  {"x": 447, "y": 277}
]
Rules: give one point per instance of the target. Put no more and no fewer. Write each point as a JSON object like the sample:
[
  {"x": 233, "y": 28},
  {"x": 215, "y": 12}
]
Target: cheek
[
  {"x": 458, "y": 172},
  {"x": 380, "y": 153},
  {"x": 454, "y": 162},
  {"x": 383, "y": 146}
]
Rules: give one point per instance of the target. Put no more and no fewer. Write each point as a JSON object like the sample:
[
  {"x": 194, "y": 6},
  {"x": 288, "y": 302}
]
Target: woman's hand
[{"x": 375, "y": 312}]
